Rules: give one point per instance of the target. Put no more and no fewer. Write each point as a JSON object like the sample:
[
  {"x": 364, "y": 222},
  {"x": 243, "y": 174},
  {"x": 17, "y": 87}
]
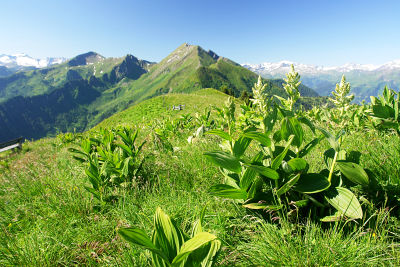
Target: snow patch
[
  {"x": 284, "y": 67},
  {"x": 23, "y": 60}
]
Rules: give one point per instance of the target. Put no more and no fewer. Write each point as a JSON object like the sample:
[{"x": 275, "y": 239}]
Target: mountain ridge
[
  {"x": 310, "y": 68},
  {"x": 366, "y": 79},
  {"x": 79, "y": 95},
  {"x": 18, "y": 61}
]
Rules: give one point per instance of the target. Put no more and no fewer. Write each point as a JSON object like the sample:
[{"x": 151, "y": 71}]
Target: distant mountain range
[
  {"x": 81, "y": 92},
  {"x": 13, "y": 63},
  {"x": 366, "y": 80}
]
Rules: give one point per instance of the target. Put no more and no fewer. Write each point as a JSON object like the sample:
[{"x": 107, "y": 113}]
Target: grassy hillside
[
  {"x": 48, "y": 218},
  {"x": 160, "y": 107},
  {"x": 82, "y": 92}
]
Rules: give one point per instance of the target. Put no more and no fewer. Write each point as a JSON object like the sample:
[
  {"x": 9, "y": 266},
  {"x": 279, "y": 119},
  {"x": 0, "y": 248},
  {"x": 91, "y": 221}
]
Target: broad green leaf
[
  {"x": 311, "y": 183},
  {"x": 260, "y": 137},
  {"x": 353, "y": 172},
  {"x": 345, "y": 202},
  {"x": 227, "y": 191},
  {"x": 139, "y": 237},
  {"x": 167, "y": 236},
  {"x": 388, "y": 124},
  {"x": 93, "y": 178},
  {"x": 240, "y": 146},
  {"x": 230, "y": 178},
  {"x": 291, "y": 126},
  {"x": 93, "y": 192},
  {"x": 224, "y": 160},
  {"x": 262, "y": 206},
  {"x": 255, "y": 188},
  {"x": 278, "y": 160},
  {"x": 247, "y": 178},
  {"x": 332, "y": 218},
  {"x": 381, "y": 111},
  {"x": 297, "y": 164},
  {"x": 289, "y": 184},
  {"x": 197, "y": 226},
  {"x": 307, "y": 122},
  {"x": 126, "y": 149},
  {"x": 73, "y": 150},
  {"x": 213, "y": 250},
  {"x": 220, "y": 133},
  {"x": 125, "y": 168},
  {"x": 204, "y": 256},
  {"x": 249, "y": 175},
  {"x": 82, "y": 160},
  {"x": 264, "y": 171},
  {"x": 191, "y": 245}
]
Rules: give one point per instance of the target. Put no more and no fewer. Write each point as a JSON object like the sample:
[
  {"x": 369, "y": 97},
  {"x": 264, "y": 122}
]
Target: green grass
[
  {"x": 47, "y": 218},
  {"x": 160, "y": 107}
]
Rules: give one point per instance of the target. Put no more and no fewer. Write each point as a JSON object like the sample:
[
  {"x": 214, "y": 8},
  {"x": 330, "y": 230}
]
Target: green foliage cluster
[
  {"x": 170, "y": 246},
  {"x": 276, "y": 176},
  {"x": 111, "y": 162},
  {"x": 385, "y": 110},
  {"x": 381, "y": 114},
  {"x": 288, "y": 169},
  {"x": 45, "y": 182}
]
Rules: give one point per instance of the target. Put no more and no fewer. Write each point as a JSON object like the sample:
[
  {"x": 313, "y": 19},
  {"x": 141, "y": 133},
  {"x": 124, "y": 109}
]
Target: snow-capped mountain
[
  {"x": 282, "y": 67},
  {"x": 19, "y": 61},
  {"x": 365, "y": 79}
]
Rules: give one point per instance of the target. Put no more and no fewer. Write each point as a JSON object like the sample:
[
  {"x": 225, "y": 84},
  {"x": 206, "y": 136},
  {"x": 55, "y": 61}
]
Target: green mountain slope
[
  {"x": 89, "y": 66},
  {"x": 42, "y": 102},
  {"x": 145, "y": 112},
  {"x": 187, "y": 69},
  {"x": 4, "y": 71}
]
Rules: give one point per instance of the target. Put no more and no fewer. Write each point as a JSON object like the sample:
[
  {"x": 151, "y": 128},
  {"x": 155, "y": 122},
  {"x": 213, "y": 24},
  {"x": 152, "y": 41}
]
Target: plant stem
[{"x": 333, "y": 166}]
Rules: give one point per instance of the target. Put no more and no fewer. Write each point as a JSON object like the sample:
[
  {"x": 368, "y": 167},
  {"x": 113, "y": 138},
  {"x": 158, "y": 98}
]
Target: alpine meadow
[{"x": 194, "y": 159}]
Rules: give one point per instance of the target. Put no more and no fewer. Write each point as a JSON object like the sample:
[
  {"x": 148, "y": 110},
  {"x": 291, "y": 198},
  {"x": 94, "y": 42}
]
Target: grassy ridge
[
  {"x": 47, "y": 218},
  {"x": 160, "y": 107}
]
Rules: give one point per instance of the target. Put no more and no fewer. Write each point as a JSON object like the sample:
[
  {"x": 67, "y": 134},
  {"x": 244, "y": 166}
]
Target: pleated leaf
[
  {"x": 240, "y": 146},
  {"x": 278, "y": 160},
  {"x": 311, "y": 183},
  {"x": 220, "y": 133},
  {"x": 260, "y": 137},
  {"x": 353, "y": 172},
  {"x": 345, "y": 202},
  {"x": 262, "y": 206},
  {"x": 167, "y": 236},
  {"x": 297, "y": 164},
  {"x": 288, "y": 185},
  {"x": 264, "y": 171},
  {"x": 227, "y": 191},
  {"x": 139, "y": 237},
  {"x": 191, "y": 245},
  {"x": 225, "y": 160}
]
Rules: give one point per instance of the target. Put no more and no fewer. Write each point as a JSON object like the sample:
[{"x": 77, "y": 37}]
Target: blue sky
[{"x": 312, "y": 32}]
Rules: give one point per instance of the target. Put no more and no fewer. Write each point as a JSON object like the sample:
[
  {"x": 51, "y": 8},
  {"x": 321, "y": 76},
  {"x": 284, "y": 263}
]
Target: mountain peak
[{"x": 85, "y": 59}]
